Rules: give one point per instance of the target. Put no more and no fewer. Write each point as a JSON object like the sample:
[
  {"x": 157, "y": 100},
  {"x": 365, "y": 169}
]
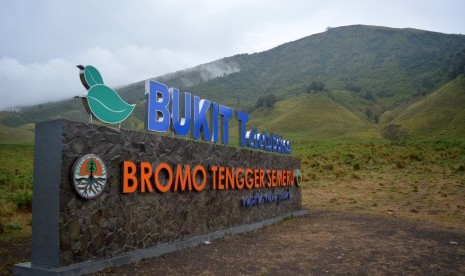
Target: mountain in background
[{"x": 354, "y": 81}]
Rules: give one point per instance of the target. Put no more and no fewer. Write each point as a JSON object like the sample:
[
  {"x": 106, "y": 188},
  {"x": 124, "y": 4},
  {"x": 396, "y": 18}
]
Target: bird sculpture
[{"x": 101, "y": 101}]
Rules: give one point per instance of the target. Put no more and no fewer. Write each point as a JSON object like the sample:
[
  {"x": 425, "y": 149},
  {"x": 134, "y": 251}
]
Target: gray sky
[{"x": 128, "y": 41}]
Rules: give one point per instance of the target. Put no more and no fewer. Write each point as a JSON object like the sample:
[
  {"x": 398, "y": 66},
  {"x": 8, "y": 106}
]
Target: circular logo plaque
[
  {"x": 89, "y": 176},
  {"x": 297, "y": 177}
]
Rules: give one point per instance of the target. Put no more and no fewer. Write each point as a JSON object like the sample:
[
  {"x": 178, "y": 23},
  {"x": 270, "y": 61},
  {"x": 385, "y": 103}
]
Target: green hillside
[
  {"x": 311, "y": 116},
  {"x": 345, "y": 82},
  {"x": 9, "y": 135},
  {"x": 441, "y": 113},
  {"x": 385, "y": 66}
]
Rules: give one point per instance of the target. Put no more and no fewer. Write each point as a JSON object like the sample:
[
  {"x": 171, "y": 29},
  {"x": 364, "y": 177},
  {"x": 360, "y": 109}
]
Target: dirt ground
[
  {"x": 321, "y": 243},
  {"x": 14, "y": 251}
]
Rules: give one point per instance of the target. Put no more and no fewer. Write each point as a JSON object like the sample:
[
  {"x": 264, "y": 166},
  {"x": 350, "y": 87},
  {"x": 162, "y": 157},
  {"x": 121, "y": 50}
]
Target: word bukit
[{"x": 202, "y": 119}]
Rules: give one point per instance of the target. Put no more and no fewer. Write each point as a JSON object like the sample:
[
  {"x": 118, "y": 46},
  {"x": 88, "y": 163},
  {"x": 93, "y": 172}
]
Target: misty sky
[{"x": 128, "y": 41}]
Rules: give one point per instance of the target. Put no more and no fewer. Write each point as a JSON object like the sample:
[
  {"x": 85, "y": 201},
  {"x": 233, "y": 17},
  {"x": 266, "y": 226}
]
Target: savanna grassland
[
  {"x": 15, "y": 190},
  {"x": 422, "y": 180},
  {"x": 414, "y": 179},
  {"x": 16, "y": 163}
]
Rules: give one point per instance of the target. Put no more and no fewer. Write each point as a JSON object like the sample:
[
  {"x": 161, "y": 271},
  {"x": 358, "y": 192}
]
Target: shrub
[
  {"x": 266, "y": 101},
  {"x": 315, "y": 86},
  {"x": 23, "y": 200},
  {"x": 14, "y": 226}
]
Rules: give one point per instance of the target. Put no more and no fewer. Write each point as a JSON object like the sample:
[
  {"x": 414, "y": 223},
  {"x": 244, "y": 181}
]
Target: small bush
[
  {"x": 23, "y": 200},
  {"x": 266, "y": 101},
  {"x": 4, "y": 179},
  {"x": 401, "y": 164},
  {"x": 14, "y": 226}
]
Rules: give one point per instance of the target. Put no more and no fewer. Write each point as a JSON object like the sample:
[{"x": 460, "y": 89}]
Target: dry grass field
[
  {"x": 352, "y": 186},
  {"x": 413, "y": 180}
]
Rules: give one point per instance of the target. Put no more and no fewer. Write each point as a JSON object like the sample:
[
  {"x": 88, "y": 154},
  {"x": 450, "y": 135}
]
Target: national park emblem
[{"x": 89, "y": 176}]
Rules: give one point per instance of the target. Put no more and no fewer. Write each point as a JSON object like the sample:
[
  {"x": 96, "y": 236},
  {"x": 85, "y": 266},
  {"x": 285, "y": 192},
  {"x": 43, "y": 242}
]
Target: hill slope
[
  {"x": 9, "y": 135},
  {"x": 442, "y": 112},
  {"x": 364, "y": 76},
  {"x": 310, "y": 116},
  {"x": 386, "y": 66}
]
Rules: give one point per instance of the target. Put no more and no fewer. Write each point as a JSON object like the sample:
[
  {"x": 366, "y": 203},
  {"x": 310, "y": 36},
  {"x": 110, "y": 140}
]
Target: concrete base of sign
[{"x": 93, "y": 266}]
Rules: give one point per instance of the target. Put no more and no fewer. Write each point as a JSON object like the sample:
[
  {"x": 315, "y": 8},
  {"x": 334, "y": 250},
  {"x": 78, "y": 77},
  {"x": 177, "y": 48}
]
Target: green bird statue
[{"x": 101, "y": 101}]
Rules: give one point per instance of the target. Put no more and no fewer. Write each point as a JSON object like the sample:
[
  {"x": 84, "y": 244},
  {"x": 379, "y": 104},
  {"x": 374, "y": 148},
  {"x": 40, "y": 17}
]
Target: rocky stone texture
[{"x": 115, "y": 223}]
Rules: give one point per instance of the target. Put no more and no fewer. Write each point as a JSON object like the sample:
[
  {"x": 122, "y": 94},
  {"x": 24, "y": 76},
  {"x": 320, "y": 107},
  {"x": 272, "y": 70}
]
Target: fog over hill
[{"x": 375, "y": 73}]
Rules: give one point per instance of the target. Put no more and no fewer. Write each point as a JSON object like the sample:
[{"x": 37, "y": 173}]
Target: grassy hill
[
  {"x": 310, "y": 116},
  {"x": 9, "y": 135},
  {"x": 345, "y": 82},
  {"x": 386, "y": 66},
  {"x": 441, "y": 113}
]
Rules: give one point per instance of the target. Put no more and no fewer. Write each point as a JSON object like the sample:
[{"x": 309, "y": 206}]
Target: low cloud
[
  {"x": 217, "y": 69},
  {"x": 24, "y": 84},
  {"x": 140, "y": 39},
  {"x": 207, "y": 71}
]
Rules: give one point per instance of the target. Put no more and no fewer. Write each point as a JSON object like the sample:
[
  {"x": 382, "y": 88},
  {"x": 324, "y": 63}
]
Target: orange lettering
[
  {"x": 273, "y": 178},
  {"x": 129, "y": 174},
  {"x": 221, "y": 178},
  {"x": 268, "y": 176},
  {"x": 145, "y": 174},
  {"x": 280, "y": 178},
  {"x": 249, "y": 180},
  {"x": 291, "y": 177},
  {"x": 284, "y": 178},
  {"x": 198, "y": 187},
  {"x": 214, "y": 169},
  {"x": 239, "y": 179},
  {"x": 229, "y": 178},
  {"x": 163, "y": 188},
  {"x": 183, "y": 181},
  {"x": 256, "y": 178}
]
